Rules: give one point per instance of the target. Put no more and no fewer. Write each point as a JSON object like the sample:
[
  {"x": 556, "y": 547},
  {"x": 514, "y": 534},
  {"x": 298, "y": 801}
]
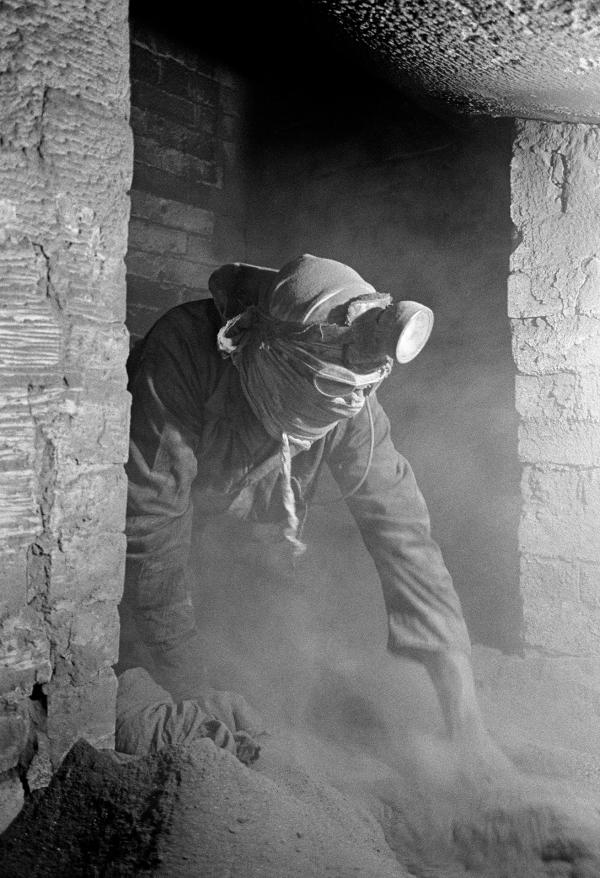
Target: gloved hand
[
  {"x": 231, "y": 709},
  {"x": 149, "y": 720},
  {"x": 241, "y": 743}
]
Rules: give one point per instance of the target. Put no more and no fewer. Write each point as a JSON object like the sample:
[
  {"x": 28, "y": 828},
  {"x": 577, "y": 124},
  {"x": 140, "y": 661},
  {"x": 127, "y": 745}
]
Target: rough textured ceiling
[{"x": 528, "y": 58}]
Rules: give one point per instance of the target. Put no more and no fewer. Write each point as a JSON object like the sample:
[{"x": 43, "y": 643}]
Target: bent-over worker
[{"x": 248, "y": 396}]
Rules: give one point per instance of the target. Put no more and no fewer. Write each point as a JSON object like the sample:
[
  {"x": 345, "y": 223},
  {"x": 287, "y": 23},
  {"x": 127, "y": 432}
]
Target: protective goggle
[
  {"x": 335, "y": 389},
  {"x": 334, "y": 380}
]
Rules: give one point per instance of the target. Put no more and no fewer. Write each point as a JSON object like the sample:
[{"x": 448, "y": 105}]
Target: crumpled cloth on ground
[{"x": 149, "y": 720}]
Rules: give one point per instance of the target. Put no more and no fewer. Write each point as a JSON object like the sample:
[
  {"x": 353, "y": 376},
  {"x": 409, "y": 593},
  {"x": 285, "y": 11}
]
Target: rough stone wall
[
  {"x": 65, "y": 168},
  {"x": 186, "y": 194},
  {"x": 554, "y": 303}
]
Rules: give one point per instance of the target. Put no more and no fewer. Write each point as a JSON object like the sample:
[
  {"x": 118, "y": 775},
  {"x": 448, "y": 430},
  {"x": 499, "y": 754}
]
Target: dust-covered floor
[
  {"x": 307, "y": 808},
  {"x": 355, "y": 777}
]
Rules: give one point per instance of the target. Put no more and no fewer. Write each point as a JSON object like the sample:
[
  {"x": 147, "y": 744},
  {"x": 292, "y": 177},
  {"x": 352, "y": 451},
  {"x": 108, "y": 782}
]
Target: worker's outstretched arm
[{"x": 425, "y": 619}]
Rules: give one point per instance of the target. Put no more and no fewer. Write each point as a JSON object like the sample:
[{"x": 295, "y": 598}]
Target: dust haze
[
  {"x": 419, "y": 205},
  {"x": 418, "y": 201}
]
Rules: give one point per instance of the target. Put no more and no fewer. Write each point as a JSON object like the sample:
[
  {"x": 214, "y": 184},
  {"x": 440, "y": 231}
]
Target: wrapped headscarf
[
  {"x": 289, "y": 347},
  {"x": 298, "y": 331}
]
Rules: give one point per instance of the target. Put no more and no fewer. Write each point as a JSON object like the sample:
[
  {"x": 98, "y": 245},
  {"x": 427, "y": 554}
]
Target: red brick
[
  {"x": 166, "y": 185},
  {"x": 170, "y": 270},
  {"x": 145, "y": 65},
  {"x": 160, "y": 45},
  {"x": 184, "y": 165},
  {"x": 180, "y": 80},
  {"x": 151, "y": 294},
  {"x": 174, "y": 214},
  {"x": 200, "y": 249},
  {"x": 198, "y": 141},
  {"x": 153, "y": 238},
  {"x": 171, "y": 107}
]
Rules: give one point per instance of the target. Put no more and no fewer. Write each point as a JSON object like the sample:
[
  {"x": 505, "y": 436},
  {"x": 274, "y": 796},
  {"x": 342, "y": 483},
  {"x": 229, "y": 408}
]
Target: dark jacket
[{"x": 196, "y": 447}]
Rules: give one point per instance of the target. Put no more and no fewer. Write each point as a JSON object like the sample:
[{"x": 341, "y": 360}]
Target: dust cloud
[
  {"x": 419, "y": 205},
  {"x": 306, "y": 646}
]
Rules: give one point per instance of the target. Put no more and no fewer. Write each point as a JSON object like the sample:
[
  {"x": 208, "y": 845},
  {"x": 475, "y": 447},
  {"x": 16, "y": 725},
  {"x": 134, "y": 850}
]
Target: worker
[{"x": 247, "y": 396}]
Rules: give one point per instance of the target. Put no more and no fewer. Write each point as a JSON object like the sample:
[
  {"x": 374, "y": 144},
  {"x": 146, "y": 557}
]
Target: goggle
[
  {"x": 334, "y": 380},
  {"x": 335, "y": 389}
]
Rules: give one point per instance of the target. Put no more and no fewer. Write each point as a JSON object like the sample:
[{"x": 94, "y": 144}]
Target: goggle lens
[{"x": 339, "y": 389}]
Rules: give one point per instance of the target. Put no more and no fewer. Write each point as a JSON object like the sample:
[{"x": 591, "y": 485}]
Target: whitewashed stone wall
[
  {"x": 554, "y": 305},
  {"x": 65, "y": 169}
]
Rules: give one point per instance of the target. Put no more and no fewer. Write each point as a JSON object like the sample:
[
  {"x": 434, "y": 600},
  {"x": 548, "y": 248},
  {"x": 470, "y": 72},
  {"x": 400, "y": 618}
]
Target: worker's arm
[
  {"x": 168, "y": 388},
  {"x": 425, "y": 617},
  {"x": 171, "y": 376},
  {"x": 161, "y": 468},
  {"x": 423, "y": 608}
]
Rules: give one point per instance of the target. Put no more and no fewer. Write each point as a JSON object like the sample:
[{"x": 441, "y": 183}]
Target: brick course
[{"x": 186, "y": 209}]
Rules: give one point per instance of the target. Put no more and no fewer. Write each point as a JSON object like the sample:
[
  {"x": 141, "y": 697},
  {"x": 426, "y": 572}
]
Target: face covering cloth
[{"x": 289, "y": 352}]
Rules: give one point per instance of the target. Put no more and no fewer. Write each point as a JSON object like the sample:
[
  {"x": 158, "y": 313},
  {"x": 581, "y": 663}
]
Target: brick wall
[
  {"x": 186, "y": 204},
  {"x": 554, "y": 303},
  {"x": 64, "y": 176}
]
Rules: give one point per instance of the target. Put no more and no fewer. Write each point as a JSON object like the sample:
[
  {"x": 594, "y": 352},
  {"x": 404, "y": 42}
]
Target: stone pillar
[
  {"x": 65, "y": 170},
  {"x": 554, "y": 306}
]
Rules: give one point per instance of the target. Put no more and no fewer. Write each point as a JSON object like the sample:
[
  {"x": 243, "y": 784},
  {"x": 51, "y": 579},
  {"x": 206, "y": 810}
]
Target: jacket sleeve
[
  {"x": 424, "y": 611},
  {"x": 161, "y": 468}
]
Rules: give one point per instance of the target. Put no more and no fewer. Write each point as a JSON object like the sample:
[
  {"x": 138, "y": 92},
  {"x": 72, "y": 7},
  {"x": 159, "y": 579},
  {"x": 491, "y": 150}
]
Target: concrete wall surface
[
  {"x": 554, "y": 304},
  {"x": 65, "y": 169}
]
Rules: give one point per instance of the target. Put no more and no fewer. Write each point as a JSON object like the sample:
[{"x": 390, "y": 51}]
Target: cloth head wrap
[{"x": 294, "y": 334}]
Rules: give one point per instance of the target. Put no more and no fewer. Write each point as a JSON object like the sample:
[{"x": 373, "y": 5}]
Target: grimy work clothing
[{"x": 197, "y": 448}]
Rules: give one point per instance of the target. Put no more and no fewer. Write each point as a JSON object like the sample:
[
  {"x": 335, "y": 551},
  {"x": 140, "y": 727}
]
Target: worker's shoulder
[
  {"x": 181, "y": 341},
  {"x": 197, "y": 321},
  {"x": 185, "y": 334},
  {"x": 180, "y": 354}
]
